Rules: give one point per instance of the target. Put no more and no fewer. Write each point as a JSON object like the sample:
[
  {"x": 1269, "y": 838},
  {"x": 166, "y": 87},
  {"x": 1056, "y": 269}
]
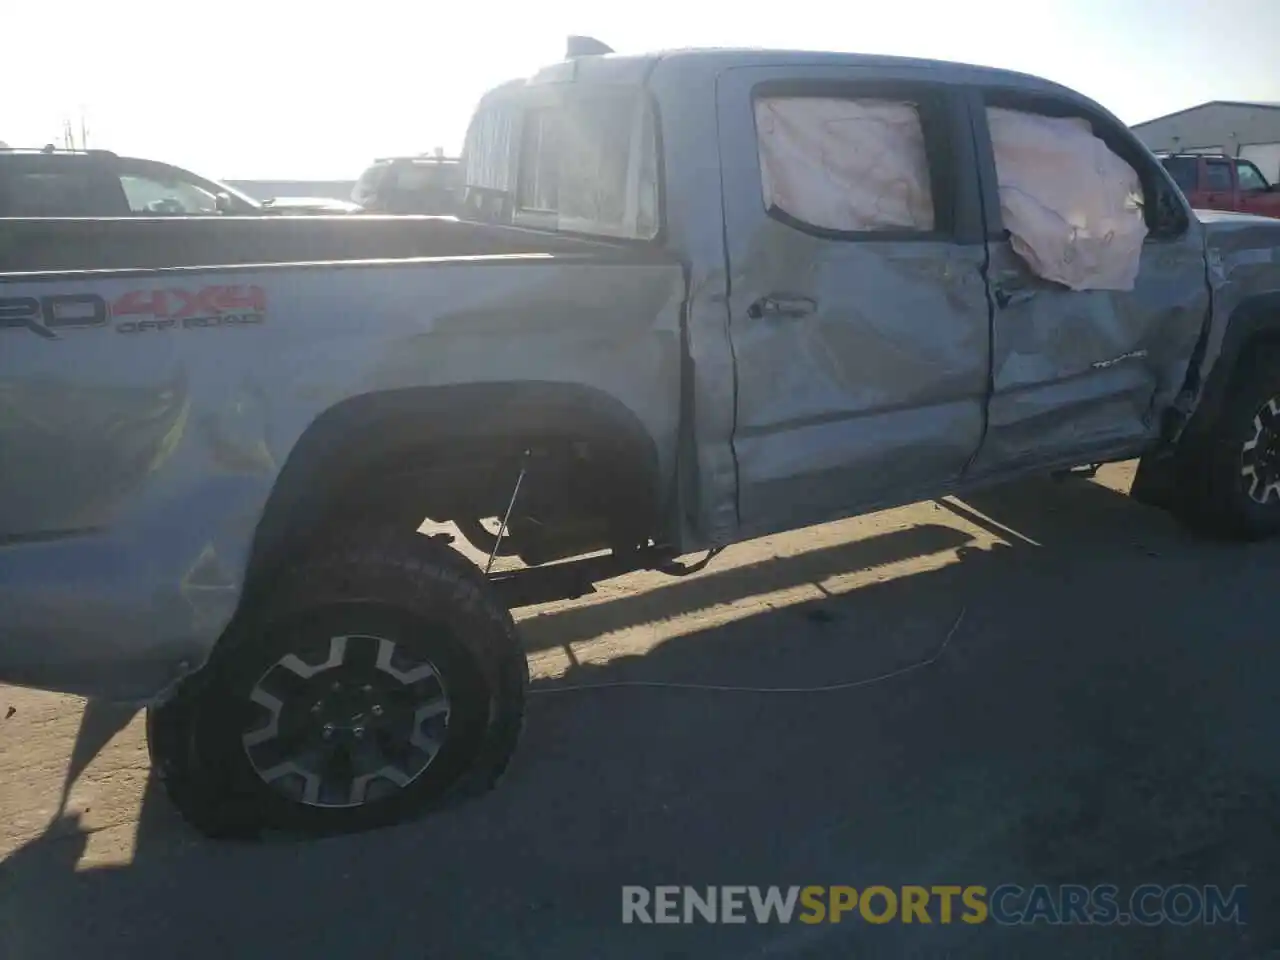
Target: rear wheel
[{"x": 380, "y": 679}]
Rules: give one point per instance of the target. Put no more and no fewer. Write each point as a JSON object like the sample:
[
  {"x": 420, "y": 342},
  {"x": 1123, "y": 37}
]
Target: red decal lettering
[
  {"x": 194, "y": 304},
  {"x": 179, "y": 304},
  {"x": 242, "y": 298},
  {"x": 144, "y": 303}
]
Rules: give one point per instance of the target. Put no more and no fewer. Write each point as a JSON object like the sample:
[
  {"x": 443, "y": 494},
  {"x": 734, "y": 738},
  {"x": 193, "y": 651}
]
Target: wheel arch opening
[{"x": 381, "y": 456}]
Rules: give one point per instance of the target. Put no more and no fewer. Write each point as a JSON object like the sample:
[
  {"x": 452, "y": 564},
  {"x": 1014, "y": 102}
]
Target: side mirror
[{"x": 223, "y": 204}]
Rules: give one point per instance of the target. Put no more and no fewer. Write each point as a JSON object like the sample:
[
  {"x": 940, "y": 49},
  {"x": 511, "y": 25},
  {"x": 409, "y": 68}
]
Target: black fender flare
[
  {"x": 382, "y": 427},
  {"x": 1254, "y": 321},
  {"x": 1164, "y": 474}
]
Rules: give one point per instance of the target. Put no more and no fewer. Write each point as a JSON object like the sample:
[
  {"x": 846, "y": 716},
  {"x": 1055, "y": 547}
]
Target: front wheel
[
  {"x": 379, "y": 680},
  {"x": 1240, "y": 493}
]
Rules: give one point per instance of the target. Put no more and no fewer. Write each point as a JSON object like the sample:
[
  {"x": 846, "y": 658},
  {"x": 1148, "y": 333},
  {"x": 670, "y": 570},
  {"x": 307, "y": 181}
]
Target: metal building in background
[{"x": 1233, "y": 127}]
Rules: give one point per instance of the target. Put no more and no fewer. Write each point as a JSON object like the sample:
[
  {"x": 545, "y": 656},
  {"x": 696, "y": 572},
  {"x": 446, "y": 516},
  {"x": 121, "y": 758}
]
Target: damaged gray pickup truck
[{"x": 696, "y": 297}]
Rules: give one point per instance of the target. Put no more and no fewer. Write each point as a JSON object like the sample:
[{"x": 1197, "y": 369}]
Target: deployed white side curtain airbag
[
  {"x": 850, "y": 165},
  {"x": 1071, "y": 206}
]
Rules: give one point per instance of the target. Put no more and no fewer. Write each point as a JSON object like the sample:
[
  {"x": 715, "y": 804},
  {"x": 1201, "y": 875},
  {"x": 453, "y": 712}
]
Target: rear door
[
  {"x": 1219, "y": 185},
  {"x": 1186, "y": 174},
  {"x": 58, "y": 185},
  {"x": 857, "y": 307},
  {"x": 1081, "y": 374}
]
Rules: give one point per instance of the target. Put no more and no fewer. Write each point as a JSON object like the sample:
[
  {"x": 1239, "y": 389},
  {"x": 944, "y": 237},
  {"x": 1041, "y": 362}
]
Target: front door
[
  {"x": 1082, "y": 375},
  {"x": 857, "y": 306},
  {"x": 1256, "y": 195}
]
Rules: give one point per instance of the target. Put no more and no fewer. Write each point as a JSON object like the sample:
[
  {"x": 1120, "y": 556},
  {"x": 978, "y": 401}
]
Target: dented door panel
[
  {"x": 861, "y": 363},
  {"x": 1081, "y": 374},
  {"x": 879, "y": 389}
]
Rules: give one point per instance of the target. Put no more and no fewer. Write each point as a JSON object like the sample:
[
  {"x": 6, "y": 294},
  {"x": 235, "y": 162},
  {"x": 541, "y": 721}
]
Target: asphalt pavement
[{"x": 1104, "y": 711}]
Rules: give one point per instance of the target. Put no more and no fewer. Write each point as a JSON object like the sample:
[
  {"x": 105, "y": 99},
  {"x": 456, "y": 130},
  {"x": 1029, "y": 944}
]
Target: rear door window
[
  {"x": 845, "y": 165},
  {"x": 1218, "y": 176},
  {"x": 60, "y": 189}
]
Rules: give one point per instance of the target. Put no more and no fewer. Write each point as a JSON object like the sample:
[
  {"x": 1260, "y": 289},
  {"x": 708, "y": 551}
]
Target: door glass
[
  {"x": 425, "y": 187},
  {"x": 849, "y": 165},
  {"x": 1184, "y": 171},
  {"x": 64, "y": 193},
  {"x": 157, "y": 197},
  {"x": 1218, "y": 176},
  {"x": 1072, "y": 206},
  {"x": 1250, "y": 179},
  {"x": 537, "y": 180},
  {"x": 589, "y": 163}
]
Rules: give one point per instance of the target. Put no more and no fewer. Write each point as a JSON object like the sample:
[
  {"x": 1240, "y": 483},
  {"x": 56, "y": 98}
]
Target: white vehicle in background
[{"x": 49, "y": 182}]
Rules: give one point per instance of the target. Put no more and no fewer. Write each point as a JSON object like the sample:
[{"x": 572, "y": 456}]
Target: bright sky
[{"x": 287, "y": 90}]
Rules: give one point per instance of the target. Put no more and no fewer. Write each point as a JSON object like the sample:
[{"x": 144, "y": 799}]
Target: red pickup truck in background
[{"x": 1223, "y": 183}]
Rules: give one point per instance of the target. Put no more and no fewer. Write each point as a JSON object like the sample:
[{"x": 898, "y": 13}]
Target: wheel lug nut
[
  {"x": 328, "y": 731},
  {"x": 359, "y": 732},
  {"x": 377, "y": 709}
]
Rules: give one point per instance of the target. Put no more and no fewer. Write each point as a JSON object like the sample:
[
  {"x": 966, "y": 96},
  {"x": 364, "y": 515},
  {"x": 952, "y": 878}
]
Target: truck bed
[{"x": 158, "y": 376}]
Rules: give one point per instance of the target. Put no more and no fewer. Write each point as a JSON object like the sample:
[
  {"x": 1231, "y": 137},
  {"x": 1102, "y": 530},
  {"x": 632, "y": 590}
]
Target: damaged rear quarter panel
[{"x": 136, "y": 464}]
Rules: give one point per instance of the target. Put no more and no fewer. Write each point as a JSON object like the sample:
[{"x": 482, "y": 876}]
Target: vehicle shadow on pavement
[
  {"x": 1103, "y": 714},
  {"x": 674, "y": 597}
]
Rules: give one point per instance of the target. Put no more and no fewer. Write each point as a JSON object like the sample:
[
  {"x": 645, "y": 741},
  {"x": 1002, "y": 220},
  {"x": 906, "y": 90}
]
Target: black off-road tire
[
  {"x": 1218, "y": 501},
  {"x": 359, "y": 583}
]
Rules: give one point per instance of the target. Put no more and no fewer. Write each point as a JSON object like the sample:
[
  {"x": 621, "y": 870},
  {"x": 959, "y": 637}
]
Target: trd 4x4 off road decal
[
  {"x": 45, "y": 315},
  {"x": 219, "y": 306},
  {"x": 216, "y": 306}
]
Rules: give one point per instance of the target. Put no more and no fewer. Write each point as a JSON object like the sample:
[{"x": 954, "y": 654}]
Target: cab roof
[{"x": 635, "y": 68}]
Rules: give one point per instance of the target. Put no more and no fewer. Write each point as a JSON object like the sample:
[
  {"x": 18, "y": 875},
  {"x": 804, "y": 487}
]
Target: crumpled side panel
[
  {"x": 137, "y": 456},
  {"x": 850, "y": 165},
  {"x": 1071, "y": 205}
]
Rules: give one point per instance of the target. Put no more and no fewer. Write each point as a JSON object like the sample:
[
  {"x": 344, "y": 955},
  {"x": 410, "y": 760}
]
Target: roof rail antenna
[{"x": 584, "y": 47}]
